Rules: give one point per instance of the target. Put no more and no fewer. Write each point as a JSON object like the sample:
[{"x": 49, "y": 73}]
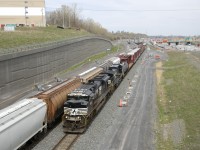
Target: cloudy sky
[{"x": 152, "y": 17}]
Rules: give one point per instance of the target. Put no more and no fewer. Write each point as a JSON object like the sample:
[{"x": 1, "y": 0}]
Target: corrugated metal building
[{"x": 23, "y": 12}]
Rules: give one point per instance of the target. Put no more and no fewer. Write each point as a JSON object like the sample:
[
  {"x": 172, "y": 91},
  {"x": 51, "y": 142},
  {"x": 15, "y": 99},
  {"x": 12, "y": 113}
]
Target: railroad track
[{"x": 66, "y": 142}]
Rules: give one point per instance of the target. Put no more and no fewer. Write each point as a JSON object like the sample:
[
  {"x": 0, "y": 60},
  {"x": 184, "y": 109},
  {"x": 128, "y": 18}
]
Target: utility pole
[
  {"x": 69, "y": 21},
  {"x": 63, "y": 18}
]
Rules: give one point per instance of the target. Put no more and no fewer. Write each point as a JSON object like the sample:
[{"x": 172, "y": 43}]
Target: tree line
[{"x": 70, "y": 17}]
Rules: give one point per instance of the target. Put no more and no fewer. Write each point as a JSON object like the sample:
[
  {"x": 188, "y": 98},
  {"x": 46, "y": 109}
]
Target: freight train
[
  {"x": 84, "y": 103},
  {"x": 30, "y": 117},
  {"x": 86, "y": 93}
]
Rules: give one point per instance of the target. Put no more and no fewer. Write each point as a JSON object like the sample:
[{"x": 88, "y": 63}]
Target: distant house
[{"x": 22, "y": 12}]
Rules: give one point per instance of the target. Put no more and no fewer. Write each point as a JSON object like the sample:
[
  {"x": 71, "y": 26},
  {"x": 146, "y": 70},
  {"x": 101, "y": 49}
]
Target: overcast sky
[{"x": 152, "y": 17}]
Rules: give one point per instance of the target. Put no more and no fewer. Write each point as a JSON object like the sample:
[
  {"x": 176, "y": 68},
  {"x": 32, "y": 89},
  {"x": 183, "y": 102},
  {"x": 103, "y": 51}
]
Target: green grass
[
  {"x": 92, "y": 58},
  {"x": 24, "y": 36},
  {"x": 184, "y": 94}
]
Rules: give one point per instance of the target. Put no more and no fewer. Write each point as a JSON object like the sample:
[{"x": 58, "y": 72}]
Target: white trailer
[{"x": 21, "y": 121}]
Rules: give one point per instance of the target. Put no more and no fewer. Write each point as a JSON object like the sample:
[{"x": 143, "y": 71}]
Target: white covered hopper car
[{"x": 20, "y": 122}]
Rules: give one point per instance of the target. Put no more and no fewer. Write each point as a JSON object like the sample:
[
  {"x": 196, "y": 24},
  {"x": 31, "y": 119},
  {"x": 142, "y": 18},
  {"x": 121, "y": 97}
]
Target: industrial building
[{"x": 22, "y": 12}]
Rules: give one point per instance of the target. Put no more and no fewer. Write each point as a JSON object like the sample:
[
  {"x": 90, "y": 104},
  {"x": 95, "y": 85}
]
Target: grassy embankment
[
  {"x": 24, "y": 36},
  {"x": 92, "y": 58},
  {"x": 178, "y": 100}
]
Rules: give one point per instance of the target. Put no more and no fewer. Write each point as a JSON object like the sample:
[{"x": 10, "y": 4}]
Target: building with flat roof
[{"x": 23, "y": 12}]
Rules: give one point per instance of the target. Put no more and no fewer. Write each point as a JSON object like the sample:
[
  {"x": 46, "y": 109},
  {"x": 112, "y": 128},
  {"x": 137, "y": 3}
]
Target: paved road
[{"x": 135, "y": 131}]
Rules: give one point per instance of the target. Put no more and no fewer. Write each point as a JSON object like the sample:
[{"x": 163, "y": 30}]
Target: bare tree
[{"x": 67, "y": 16}]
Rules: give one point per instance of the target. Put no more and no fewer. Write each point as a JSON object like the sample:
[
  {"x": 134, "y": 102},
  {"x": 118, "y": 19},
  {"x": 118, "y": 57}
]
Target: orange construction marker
[{"x": 120, "y": 103}]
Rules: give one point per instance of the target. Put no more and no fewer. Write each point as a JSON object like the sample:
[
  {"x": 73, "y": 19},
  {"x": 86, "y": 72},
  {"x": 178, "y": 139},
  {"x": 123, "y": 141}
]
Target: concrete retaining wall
[{"x": 24, "y": 69}]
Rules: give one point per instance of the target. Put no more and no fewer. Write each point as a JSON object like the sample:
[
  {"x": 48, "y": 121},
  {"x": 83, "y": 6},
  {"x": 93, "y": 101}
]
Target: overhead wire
[
  {"x": 132, "y": 10},
  {"x": 142, "y": 10}
]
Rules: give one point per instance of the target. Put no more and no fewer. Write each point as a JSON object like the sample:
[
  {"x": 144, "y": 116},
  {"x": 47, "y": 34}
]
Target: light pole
[
  {"x": 42, "y": 18},
  {"x": 26, "y": 12}
]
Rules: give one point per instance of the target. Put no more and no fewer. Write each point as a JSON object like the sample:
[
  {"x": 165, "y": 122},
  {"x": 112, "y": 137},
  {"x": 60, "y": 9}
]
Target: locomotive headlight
[{"x": 78, "y": 118}]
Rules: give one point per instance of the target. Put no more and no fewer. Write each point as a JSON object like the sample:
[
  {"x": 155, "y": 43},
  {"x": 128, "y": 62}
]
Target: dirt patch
[
  {"x": 174, "y": 131},
  {"x": 159, "y": 72},
  {"x": 160, "y": 90}
]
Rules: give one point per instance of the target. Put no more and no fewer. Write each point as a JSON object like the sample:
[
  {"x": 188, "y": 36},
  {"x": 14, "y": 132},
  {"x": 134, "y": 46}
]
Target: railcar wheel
[{"x": 45, "y": 130}]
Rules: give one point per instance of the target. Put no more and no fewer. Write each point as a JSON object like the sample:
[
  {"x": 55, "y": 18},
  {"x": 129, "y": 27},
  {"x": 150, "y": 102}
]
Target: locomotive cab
[{"x": 83, "y": 103}]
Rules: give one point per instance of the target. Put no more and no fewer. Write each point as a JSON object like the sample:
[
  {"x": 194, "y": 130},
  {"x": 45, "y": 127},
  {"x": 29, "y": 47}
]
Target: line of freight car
[
  {"x": 84, "y": 103},
  {"x": 25, "y": 119}
]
